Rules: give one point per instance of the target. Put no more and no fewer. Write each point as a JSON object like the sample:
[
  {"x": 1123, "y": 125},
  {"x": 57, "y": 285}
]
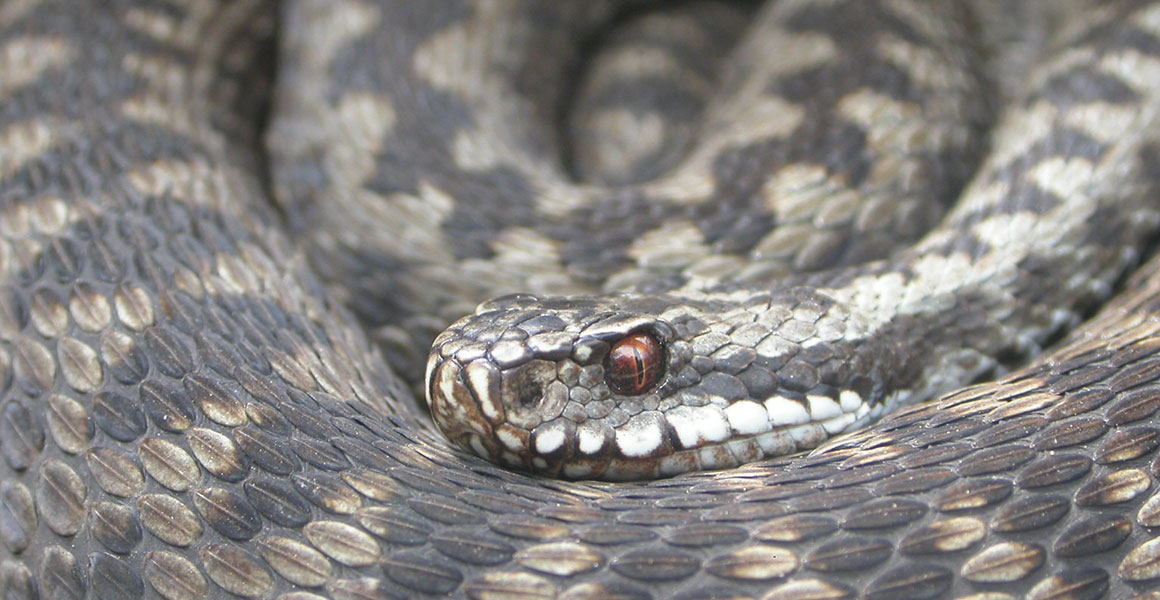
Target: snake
[{"x": 881, "y": 326}]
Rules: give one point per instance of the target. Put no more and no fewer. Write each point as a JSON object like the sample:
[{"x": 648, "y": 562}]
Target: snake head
[{"x": 637, "y": 387}]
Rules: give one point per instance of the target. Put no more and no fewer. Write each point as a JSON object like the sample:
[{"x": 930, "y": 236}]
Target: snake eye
[{"x": 634, "y": 365}]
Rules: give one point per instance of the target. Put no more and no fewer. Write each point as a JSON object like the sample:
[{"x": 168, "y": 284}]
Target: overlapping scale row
[{"x": 183, "y": 416}]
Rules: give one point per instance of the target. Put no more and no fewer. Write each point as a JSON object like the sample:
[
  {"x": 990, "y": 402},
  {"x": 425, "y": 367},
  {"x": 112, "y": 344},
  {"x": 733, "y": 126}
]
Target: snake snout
[{"x": 549, "y": 384}]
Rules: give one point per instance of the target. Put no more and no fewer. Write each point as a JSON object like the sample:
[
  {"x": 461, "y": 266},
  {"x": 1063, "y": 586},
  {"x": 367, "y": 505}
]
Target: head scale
[{"x": 633, "y": 387}]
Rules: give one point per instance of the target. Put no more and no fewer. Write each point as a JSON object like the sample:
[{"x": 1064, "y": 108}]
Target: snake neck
[
  {"x": 529, "y": 382},
  {"x": 754, "y": 364}
]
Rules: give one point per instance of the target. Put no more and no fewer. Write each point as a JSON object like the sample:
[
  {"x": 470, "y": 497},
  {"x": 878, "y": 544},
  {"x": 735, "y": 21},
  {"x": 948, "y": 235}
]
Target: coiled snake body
[{"x": 190, "y": 411}]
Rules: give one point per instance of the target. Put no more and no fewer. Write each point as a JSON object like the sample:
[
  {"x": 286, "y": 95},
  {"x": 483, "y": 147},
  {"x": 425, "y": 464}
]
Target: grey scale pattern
[{"x": 188, "y": 412}]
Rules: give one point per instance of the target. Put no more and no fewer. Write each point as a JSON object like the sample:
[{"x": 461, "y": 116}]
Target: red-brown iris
[{"x": 634, "y": 365}]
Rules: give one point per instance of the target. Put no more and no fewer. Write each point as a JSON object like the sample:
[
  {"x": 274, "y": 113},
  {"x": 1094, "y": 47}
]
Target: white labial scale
[
  {"x": 578, "y": 471},
  {"x": 708, "y": 457},
  {"x": 776, "y": 443},
  {"x": 783, "y": 411},
  {"x": 823, "y": 408},
  {"x": 591, "y": 437},
  {"x": 640, "y": 436},
  {"x": 454, "y": 412},
  {"x": 696, "y": 425},
  {"x": 433, "y": 363},
  {"x": 481, "y": 377},
  {"x": 510, "y": 441},
  {"x": 549, "y": 438},
  {"x": 477, "y": 446},
  {"x": 860, "y": 420},
  {"x": 850, "y": 401},
  {"x": 808, "y": 435},
  {"x": 744, "y": 450},
  {"x": 680, "y": 462},
  {"x": 747, "y": 417},
  {"x": 446, "y": 383},
  {"x": 838, "y": 424}
]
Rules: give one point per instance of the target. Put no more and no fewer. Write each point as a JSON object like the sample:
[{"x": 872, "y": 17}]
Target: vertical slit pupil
[{"x": 634, "y": 365}]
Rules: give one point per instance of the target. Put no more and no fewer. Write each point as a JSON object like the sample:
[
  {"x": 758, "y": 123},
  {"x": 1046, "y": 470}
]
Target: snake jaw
[{"x": 515, "y": 394}]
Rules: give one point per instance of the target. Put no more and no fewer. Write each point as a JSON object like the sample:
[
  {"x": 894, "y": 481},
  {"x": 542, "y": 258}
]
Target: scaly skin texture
[
  {"x": 189, "y": 412},
  {"x": 755, "y": 365}
]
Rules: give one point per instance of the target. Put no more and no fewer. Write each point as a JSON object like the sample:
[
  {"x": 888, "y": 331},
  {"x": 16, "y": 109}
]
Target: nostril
[{"x": 523, "y": 391}]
